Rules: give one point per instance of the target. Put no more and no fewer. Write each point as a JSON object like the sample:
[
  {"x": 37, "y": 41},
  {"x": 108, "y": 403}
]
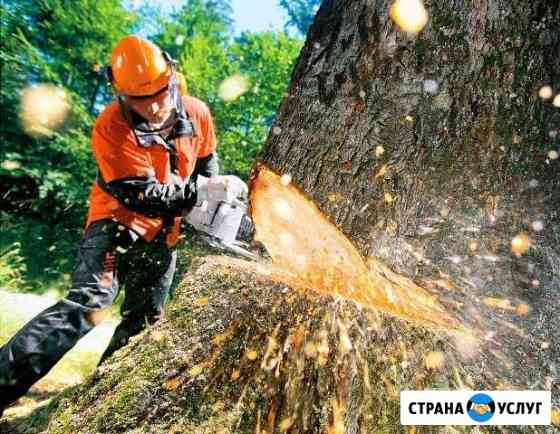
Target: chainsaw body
[{"x": 223, "y": 222}]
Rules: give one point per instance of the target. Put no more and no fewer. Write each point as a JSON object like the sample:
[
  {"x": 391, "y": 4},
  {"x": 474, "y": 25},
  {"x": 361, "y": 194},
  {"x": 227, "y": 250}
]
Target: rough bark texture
[
  {"x": 437, "y": 183},
  {"x": 359, "y": 84}
]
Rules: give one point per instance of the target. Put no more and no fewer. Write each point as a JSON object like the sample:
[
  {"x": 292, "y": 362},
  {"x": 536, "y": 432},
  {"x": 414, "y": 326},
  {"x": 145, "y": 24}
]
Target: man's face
[{"x": 155, "y": 109}]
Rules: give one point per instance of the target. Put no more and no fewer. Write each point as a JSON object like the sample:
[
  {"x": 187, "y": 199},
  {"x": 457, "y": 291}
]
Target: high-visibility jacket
[{"x": 144, "y": 173}]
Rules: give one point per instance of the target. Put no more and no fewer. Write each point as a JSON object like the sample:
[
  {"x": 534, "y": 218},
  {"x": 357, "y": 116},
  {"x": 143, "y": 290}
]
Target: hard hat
[{"x": 139, "y": 67}]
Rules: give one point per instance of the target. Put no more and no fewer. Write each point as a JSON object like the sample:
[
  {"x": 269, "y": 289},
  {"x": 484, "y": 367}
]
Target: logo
[{"x": 481, "y": 407}]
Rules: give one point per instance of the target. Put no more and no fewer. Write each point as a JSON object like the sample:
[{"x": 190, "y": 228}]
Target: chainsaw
[{"x": 220, "y": 215}]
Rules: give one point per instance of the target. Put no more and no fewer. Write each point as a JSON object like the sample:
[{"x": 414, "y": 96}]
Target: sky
[
  {"x": 257, "y": 15},
  {"x": 252, "y": 15}
]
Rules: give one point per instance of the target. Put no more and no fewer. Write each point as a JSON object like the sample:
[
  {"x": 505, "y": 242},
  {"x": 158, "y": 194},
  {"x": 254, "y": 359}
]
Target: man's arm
[
  {"x": 150, "y": 197},
  {"x": 127, "y": 174}
]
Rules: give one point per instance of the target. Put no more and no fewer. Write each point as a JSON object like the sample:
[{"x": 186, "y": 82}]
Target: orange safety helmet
[{"x": 139, "y": 67}]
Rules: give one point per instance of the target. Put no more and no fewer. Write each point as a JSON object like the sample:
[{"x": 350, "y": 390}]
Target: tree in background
[
  {"x": 301, "y": 13},
  {"x": 45, "y": 178},
  {"x": 56, "y": 42},
  {"x": 200, "y": 37},
  {"x": 265, "y": 60}
]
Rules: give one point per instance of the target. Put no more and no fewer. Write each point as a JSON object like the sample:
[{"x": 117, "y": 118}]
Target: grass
[
  {"x": 35, "y": 256},
  {"x": 12, "y": 267}
]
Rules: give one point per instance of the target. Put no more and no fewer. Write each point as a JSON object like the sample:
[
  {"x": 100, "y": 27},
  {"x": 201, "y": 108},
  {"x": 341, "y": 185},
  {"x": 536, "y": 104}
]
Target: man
[{"x": 150, "y": 145}]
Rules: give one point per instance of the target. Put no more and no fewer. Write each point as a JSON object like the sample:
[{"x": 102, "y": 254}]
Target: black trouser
[{"x": 109, "y": 254}]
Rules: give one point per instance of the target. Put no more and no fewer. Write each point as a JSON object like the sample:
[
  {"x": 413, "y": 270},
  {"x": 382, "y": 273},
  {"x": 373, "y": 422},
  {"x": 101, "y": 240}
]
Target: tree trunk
[
  {"x": 361, "y": 120},
  {"x": 437, "y": 154},
  {"x": 93, "y": 98}
]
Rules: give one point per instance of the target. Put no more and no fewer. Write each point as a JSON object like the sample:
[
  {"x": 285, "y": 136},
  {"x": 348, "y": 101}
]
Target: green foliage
[
  {"x": 199, "y": 37},
  {"x": 12, "y": 267},
  {"x": 301, "y": 13},
  {"x": 55, "y": 42},
  {"x": 266, "y": 61},
  {"x": 39, "y": 255},
  {"x": 46, "y": 179}
]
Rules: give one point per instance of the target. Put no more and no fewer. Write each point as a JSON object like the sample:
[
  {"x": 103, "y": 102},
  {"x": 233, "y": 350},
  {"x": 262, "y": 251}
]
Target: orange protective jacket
[{"x": 119, "y": 155}]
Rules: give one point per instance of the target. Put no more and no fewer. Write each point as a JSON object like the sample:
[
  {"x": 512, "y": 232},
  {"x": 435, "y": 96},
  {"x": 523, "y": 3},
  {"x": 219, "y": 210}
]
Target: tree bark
[
  {"x": 360, "y": 83},
  {"x": 433, "y": 153}
]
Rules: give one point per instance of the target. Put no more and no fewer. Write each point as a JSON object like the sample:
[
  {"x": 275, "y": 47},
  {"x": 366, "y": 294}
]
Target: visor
[
  {"x": 179, "y": 122},
  {"x": 141, "y": 97}
]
